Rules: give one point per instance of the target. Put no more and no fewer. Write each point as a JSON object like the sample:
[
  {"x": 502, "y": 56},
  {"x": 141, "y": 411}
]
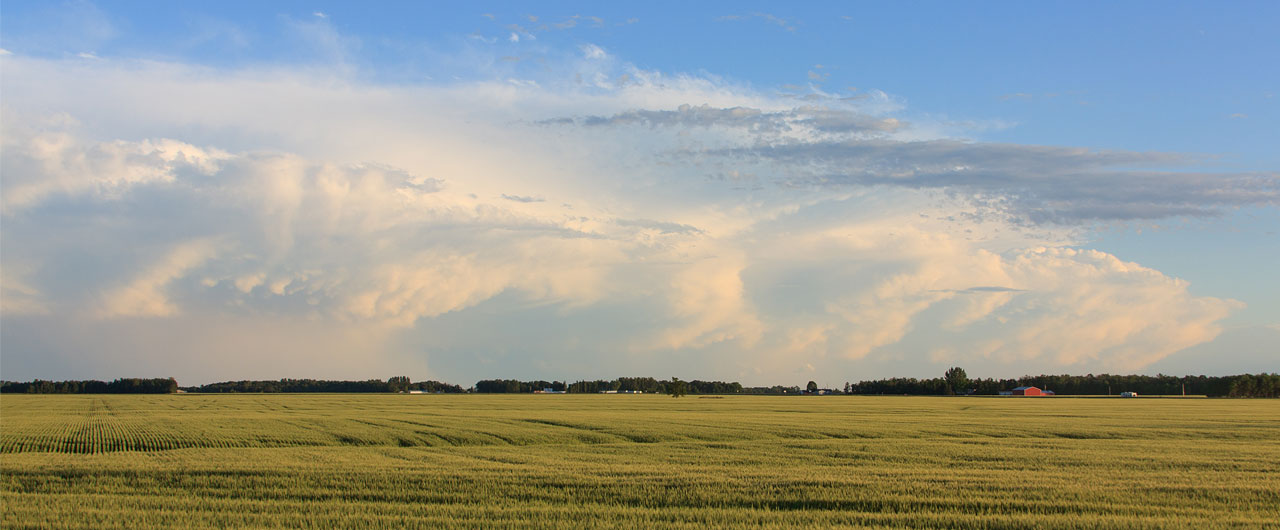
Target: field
[{"x": 472, "y": 461}]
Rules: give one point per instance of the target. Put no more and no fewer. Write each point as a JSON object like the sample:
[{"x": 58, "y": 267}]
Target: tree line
[
  {"x": 1244, "y": 385},
  {"x": 512, "y": 386},
  {"x": 394, "y": 384},
  {"x": 128, "y": 385},
  {"x": 647, "y": 385},
  {"x": 169, "y": 386},
  {"x": 954, "y": 381}
]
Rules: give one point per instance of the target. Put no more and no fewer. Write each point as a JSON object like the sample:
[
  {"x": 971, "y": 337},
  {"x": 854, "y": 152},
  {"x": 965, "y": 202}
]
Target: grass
[{"x": 625, "y": 461}]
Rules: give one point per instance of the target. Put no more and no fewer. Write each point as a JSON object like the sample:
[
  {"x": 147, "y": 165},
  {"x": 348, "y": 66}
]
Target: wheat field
[{"x": 628, "y": 461}]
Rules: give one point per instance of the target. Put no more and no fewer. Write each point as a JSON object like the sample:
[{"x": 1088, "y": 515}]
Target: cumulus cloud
[
  {"x": 394, "y": 210},
  {"x": 591, "y": 51},
  {"x": 37, "y": 165},
  {"x": 145, "y": 295},
  {"x": 1040, "y": 306},
  {"x": 354, "y": 243},
  {"x": 1074, "y": 307},
  {"x": 708, "y": 306}
]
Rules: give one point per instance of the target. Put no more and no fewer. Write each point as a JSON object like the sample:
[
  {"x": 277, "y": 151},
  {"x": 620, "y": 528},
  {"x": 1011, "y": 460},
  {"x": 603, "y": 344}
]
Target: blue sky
[
  {"x": 1131, "y": 76},
  {"x": 741, "y": 191}
]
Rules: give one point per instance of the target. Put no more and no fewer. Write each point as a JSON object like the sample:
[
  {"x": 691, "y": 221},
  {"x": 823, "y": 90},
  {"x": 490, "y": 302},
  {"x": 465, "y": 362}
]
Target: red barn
[{"x": 1027, "y": 391}]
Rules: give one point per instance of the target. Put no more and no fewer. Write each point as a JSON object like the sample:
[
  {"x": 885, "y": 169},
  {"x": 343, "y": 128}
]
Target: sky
[{"x": 742, "y": 191}]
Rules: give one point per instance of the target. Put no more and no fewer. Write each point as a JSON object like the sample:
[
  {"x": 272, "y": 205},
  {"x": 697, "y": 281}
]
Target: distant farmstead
[{"x": 1027, "y": 391}]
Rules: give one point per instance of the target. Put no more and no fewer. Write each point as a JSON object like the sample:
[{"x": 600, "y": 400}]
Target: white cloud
[
  {"x": 248, "y": 282},
  {"x": 1034, "y": 184},
  {"x": 325, "y": 42},
  {"x": 40, "y": 164},
  {"x": 145, "y": 295},
  {"x": 766, "y": 17},
  {"x": 707, "y": 305},
  {"x": 398, "y": 206},
  {"x": 62, "y": 29},
  {"x": 591, "y": 51},
  {"x": 17, "y": 295},
  {"x": 859, "y": 290}
]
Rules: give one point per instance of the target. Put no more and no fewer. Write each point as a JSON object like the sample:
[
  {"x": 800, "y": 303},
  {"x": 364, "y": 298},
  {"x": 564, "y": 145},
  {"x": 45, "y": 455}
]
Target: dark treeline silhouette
[
  {"x": 395, "y": 384},
  {"x": 1255, "y": 385},
  {"x": 646, "y": 385},
  {"x": 512, "y": 386},
  {"x": 775, "y": 389},
  {"x": 130, "y": 385},
  {"x": 713, "y": 387},
  {"x": 1265, "y": 385},
  {"x": 1246, "y": 385}
]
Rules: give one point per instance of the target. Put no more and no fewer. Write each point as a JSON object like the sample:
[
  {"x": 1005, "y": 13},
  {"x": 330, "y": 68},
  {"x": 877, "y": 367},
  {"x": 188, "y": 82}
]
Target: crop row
[
  {"x": 612, "y": 461},
  {"x": 895, "y": 483},
  {"x": 97, "y": 424}
]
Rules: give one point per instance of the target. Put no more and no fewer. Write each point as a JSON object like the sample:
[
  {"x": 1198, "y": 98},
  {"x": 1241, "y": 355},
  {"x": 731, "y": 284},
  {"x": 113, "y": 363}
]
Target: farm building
[{"x": 1027, "y": 391}]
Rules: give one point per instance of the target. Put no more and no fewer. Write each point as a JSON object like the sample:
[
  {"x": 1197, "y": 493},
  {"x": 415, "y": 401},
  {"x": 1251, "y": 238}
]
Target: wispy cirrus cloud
[
  {"x": 764, "y": 17},
  {"x": 817, "y": 118},
  {"x": 830, "y": 147},
  {"x": 1037, "y": 184},
  {"x": 523, "y": 198}
]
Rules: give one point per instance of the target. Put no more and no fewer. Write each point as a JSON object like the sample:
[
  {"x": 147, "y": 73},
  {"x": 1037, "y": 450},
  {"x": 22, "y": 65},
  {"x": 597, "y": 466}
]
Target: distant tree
[
  {"x": 676, "y": 387},
  {"x": 1243, "y": 385},
  {"x": 398, "y": 383},
  {"x": 129, "y": 385},
  {"x": 811, "y": 387},
  {"x": 776, "y": 389},
  {"x": 847, "y": 387},
  {"x": 957, "y": 380}
]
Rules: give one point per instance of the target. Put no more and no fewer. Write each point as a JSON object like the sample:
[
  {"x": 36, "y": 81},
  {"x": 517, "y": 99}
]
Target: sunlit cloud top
[{"x": 521, "y": 197}]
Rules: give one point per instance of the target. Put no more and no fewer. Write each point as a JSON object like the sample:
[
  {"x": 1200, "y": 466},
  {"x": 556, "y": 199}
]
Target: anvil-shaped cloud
[{"x": 217, "y": 224}]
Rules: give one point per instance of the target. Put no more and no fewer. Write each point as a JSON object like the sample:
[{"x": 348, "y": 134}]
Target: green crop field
[{"x": 625, "y": 461}]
